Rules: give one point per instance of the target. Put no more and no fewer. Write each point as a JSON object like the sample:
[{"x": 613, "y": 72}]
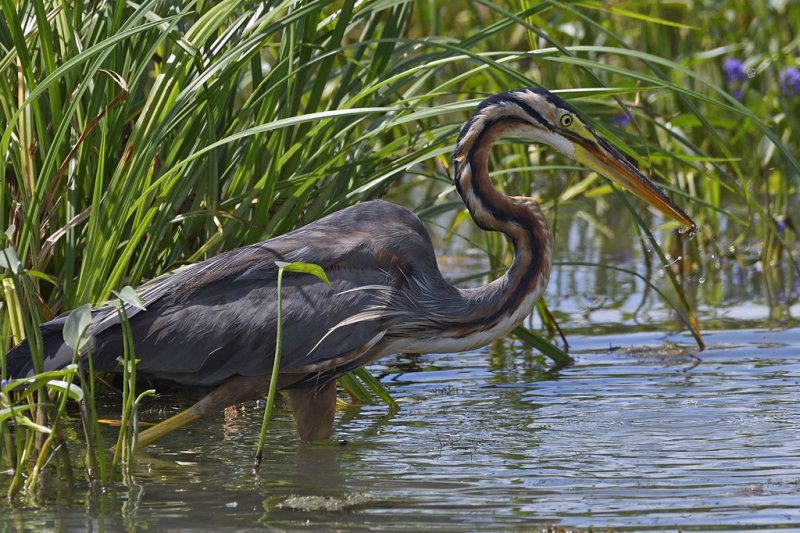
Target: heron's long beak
[{"x": 603, "y": 158}]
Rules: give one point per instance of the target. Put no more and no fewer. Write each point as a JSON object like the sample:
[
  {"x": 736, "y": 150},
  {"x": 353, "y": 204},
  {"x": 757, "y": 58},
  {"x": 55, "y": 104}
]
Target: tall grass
[{"x": 137, "y": 137}]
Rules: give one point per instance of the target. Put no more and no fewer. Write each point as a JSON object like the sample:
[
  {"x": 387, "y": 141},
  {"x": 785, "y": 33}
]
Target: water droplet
[
  {"x": 688, "y": 232},
  {"x": 671, "y": 261}
]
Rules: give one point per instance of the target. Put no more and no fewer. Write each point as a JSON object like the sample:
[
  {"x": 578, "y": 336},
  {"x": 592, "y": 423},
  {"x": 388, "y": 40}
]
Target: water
[{"x": 638, "y": 434}]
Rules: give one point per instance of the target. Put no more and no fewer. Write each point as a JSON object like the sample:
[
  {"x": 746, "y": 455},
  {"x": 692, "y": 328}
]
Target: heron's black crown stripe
[{"x": 511, "y": 97}]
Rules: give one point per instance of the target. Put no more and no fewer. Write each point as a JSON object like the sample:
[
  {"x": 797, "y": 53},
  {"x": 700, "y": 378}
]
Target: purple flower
[
  {"x": 3, "y": 383},
  {"x": 781, "y": 224},
  {"x": 790, "y": 81},
  {"x": 620, "y": 120},
  {"x": 734, "y": 70}
]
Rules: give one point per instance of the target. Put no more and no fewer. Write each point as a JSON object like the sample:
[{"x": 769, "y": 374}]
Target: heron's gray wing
[{"x": 218, "y": 318}]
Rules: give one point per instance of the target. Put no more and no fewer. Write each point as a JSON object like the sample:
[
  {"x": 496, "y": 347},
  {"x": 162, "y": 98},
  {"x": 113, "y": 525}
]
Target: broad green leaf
[
  {"x": 304, "y": 268},
  {"x": 76, "y": 325},
  {"x": 73, "y": 390},
  {"x": 10, "y": 261},
  {"x": 129, "y": 296}
]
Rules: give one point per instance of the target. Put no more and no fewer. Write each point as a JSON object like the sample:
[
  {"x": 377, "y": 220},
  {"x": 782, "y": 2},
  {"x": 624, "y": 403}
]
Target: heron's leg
[
  {"x": 314, "y": 408},
  {"x": 236, "y": 390}
]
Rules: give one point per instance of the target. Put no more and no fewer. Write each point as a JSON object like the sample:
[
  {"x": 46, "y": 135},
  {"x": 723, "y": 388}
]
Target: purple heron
[{"x": 213, "y": 323}]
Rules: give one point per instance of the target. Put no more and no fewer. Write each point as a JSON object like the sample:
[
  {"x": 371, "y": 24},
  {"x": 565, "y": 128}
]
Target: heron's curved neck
[{"x": 505, "y": 302}]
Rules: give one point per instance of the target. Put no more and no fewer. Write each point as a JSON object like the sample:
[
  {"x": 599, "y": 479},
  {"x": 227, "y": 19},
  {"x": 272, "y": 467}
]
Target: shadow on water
[{"x": 642, "y": 432}]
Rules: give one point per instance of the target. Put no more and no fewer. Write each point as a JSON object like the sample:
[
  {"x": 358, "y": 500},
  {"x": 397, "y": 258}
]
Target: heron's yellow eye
[{"x": 566, "y": 120}]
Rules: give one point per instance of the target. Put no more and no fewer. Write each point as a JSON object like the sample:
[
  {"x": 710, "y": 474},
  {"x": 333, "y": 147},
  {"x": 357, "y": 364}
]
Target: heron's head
[{"x": 544, "y": 117}]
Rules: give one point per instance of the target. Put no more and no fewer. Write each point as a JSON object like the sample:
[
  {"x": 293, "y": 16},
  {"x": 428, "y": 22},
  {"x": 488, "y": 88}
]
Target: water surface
[{"x": 638, "y": 434}]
